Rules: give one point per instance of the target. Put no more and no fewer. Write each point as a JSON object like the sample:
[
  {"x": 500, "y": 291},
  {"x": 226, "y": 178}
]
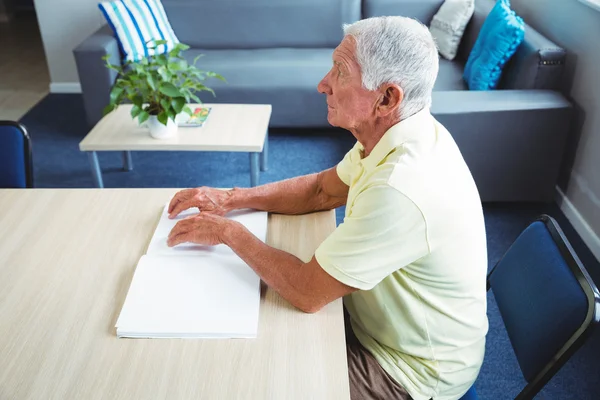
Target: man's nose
[{"x": 323, "y": 86}]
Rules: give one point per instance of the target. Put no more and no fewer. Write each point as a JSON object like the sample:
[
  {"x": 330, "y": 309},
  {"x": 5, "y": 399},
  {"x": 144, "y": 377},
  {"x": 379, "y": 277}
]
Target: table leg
[
  {"x": 96, "y": 173},
  {"x": 127, "y": 162},
  {"x": 254, "y": 170},
  {"x": 263, "y": 155}
]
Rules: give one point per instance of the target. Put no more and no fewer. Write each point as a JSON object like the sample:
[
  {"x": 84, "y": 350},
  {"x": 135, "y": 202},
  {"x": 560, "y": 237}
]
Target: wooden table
[
  {"x": 67, "y": 257},
  {"x": 229, "y": 127}
]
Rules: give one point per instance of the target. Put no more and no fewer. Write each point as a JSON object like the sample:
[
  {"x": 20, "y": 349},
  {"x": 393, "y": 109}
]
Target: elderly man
[{"x": 410, "y": 257}]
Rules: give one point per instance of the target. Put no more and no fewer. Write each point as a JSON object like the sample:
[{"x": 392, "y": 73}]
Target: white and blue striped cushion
[{"x": 135, "y": 22}]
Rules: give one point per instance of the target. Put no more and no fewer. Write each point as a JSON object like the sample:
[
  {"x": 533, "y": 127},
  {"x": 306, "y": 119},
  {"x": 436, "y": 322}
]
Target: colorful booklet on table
[{"x": 197, "y": 119}]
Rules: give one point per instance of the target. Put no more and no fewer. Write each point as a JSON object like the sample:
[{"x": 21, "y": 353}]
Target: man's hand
[
  {"x": 206, "y": 199},
  {"x": 204, "y": 229}
]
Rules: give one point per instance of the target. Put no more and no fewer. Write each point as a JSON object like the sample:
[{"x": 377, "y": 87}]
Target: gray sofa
[{"x": 276, "y": 52}]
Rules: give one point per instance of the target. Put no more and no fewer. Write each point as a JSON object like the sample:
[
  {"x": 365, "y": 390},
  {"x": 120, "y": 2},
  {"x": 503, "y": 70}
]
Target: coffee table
[{"x": 229, "y": 127}]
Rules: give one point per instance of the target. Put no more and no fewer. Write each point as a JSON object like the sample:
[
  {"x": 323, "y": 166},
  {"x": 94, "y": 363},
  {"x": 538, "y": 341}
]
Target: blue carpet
[{"x": 57, "y": 125}]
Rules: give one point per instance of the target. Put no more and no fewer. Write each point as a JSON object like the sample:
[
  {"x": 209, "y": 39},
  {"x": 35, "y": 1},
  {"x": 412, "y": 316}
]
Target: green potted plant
[{"x": 159, "y": 88}]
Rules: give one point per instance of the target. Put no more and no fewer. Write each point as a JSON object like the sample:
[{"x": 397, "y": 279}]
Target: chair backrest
[
  {"x": 547, "y": 301},
  {"x": 16, "y": 168}
]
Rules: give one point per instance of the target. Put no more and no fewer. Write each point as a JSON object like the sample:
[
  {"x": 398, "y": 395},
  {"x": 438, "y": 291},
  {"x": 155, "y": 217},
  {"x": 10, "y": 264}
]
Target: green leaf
[
  {"x": 143, "y": 117},
  {"x": 195, "y": 98},
  {"x": 164, "y": 73},
  {"x": 135, "y": 111},
  {"x": 108, "y": 109},
  {"x": 153, "y": 44},
  {"x": 215, "y": 75},
  {"x": 164, "y": 103},
  {"x": 187, "y": 110},
  {"x": 196, "y": 58},
  {"x": 172, "y": 114},
  {"x": 163, "y": 118},
  {"x": 113, "y": 67},
  {"x": 180, "y": 65},
  {"x": 137, "y": 100},
  {"x": 115, "y": 94},
  {"x": 178, "y": 104},
  {"x": 151, "y": 82},
  {"x": 168, "y": 89}
]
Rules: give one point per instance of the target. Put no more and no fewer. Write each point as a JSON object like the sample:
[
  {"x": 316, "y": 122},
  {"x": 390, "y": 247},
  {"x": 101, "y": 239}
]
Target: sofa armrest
[
  {"x": 96, "y": 80},
  {"x": 512, "y": 140},
  {"x": 537, "y": 64}
]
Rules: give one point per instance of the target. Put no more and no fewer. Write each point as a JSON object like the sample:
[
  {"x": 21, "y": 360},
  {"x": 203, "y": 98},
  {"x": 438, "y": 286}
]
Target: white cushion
[
  {"x": 449, "y": 23},
  {"x": 135, "y": 23}
]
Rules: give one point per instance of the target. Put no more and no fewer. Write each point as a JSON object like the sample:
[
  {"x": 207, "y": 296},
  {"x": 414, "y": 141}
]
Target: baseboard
[
  {"x": 65, "y": 87},
  {"x": 586, "y": 232}
]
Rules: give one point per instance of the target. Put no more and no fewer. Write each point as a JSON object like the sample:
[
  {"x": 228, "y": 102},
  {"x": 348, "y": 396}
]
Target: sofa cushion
[
  {"x": 285, "y": 78},
  {"x": 423, "y": 10},
  {"x": 246, "y": 24},
  {"x": 448, "y": 25},
  {"x": 500, "y": 36},
  {"x": 135, "y": 23},
  {"x": 450, "y": 76}
]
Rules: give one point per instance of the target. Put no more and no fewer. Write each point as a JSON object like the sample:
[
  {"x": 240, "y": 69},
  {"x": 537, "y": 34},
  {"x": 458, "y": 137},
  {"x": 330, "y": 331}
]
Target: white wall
[
  {"x": 63, "y": 25},
  {"x": 576, "y": 27}
]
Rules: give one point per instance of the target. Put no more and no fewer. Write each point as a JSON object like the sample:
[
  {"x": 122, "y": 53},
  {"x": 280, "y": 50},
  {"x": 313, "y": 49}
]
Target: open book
[{"x": 192, "y": 291}]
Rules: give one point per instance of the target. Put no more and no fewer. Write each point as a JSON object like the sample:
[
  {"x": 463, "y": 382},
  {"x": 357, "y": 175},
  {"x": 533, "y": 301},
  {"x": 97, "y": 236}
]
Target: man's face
[{"x": 349, "y": 104}]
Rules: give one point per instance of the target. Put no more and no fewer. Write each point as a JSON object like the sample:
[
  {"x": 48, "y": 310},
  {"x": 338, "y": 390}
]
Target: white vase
[{"x": 160, "y": 131}]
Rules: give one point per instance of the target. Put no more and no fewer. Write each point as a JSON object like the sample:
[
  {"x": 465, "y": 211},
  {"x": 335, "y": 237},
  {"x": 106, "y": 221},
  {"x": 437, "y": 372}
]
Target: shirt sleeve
[
  {"x": 344, "y": 167},
  {"x": 384, "y": 232}
]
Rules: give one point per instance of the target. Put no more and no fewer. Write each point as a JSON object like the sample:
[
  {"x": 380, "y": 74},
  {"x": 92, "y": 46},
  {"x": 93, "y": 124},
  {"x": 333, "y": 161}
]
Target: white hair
[{"x": 397, "y": 50}]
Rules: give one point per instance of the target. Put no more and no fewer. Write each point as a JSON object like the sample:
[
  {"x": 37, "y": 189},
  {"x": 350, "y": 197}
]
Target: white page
[
  {"x": 213, "y": 296},
  {"x": 254, "y": 221}
]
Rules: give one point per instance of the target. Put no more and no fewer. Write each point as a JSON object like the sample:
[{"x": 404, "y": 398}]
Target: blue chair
[
  {"x": 547, "y": 300},
  {"x": 16, "y": 167}
]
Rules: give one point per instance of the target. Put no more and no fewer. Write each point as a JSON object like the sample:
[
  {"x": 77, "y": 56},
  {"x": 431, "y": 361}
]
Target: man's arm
[
  {"x": 301, "y": 195},
  {"x": 305, "y": 285}
]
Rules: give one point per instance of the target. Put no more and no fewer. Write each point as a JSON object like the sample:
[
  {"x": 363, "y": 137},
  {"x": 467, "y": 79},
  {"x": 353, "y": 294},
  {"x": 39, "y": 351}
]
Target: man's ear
[{"x": 390, "y": 99}]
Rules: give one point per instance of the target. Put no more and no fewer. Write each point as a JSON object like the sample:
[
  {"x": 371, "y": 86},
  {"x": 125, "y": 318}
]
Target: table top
[
  {"x": 67, "y": 257},
  {"x": 229, "y": 127}
]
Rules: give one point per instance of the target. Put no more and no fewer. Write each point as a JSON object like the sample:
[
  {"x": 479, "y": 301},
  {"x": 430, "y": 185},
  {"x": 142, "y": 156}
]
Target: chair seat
[{"x": 470, "y": 395}]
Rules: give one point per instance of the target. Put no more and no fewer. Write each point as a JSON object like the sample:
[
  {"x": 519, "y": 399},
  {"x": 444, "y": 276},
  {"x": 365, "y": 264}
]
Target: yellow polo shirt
[{"x": 413, "y": 242}]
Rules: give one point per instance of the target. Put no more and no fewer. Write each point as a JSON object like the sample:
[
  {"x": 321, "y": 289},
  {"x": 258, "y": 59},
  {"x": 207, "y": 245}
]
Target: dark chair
[
  {"x": 16, "y": 167},
  {"x": 547, "y": 301}
]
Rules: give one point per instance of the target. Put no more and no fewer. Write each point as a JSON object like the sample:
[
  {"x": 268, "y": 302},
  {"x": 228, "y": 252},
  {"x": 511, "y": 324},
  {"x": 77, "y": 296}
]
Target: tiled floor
[{"x": 24, "y": 78}]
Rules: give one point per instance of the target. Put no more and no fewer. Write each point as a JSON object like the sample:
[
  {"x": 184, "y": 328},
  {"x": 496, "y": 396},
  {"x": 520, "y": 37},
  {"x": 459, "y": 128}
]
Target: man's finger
[
  {"x": 193, "y": 216},
  {"x": 179, "y": 228},
  {"x": 180, "y": 196},
  {"x": 179, "y": 207},
  {"x": 180, "y": 238}
]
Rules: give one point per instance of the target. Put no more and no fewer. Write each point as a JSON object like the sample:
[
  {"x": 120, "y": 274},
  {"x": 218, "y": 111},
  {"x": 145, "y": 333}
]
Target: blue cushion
[
  {"x": 137, "y": 22},
  {"x": 13, "y": 163},
  {"x": 500, "y": 36}
]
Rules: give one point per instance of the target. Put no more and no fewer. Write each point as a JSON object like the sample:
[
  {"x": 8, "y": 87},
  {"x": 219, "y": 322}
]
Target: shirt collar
[{"x": 398, "y": 134}]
